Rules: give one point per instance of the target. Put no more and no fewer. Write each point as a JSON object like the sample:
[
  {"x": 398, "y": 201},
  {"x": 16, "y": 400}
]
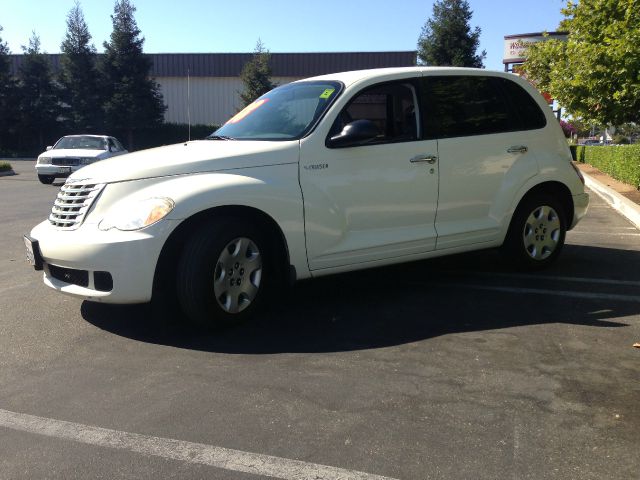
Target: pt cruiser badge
[{"x": 317, "y": 166}]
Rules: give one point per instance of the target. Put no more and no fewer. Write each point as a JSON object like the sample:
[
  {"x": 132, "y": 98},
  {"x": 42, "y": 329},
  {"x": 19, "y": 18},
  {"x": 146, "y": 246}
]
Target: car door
[
  {"x": 484, "y": 157},
  {"x": 375, "y": 200}
]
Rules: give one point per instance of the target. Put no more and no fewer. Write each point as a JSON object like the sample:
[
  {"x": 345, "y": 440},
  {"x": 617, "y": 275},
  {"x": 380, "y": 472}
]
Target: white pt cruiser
[{"x": 324, "y": 175}]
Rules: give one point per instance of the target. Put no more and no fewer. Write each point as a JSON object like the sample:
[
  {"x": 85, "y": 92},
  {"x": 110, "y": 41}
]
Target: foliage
[
  {"x": 38, "y": 93},
  {"x": 132, "y": 100},
  {"x": 621, "y": 140},
  {"x": 595, "y": 74},
  {"x": 629, "y": 130},
  {"x": 5, "y": 167},
  {"x": 256, "y": 75},
  {"x": 447, "y": 37},
  {"x": 79, "y": 76},
  {"x": 622, "y": 162},
  {"x": 568, "y": 129},
  {"x": 8, "y": 105}
]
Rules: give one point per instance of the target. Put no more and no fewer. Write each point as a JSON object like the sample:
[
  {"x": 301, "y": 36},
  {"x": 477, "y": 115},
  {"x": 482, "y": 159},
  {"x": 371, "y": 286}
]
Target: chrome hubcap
[
  {"x": 541, "y": 232},
  {"x": 237, "y": 275}
]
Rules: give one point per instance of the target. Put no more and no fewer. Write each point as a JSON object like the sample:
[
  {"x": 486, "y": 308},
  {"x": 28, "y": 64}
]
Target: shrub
[
  {"x": 622, "y": 162},
  {"x": 5, "y": 166}
]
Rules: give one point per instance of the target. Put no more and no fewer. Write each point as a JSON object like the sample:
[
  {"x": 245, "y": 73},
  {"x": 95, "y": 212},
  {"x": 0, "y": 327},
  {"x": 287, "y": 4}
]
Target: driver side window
[{"x": 391, "y": 107}]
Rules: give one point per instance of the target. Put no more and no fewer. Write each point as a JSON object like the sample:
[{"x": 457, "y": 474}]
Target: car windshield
[
  {"x": 89, "y": 143},
  {"x": 285, "y": 113}
]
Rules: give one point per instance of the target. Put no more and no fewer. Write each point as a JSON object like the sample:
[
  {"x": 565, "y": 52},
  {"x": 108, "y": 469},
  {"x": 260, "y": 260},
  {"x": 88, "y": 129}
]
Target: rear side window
[{"x": 462, "y": 106}]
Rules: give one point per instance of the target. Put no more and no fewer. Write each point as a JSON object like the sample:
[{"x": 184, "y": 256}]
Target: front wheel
[
  {"x": 537, "y": 232},
  {"x": 224, "y": 273},
  {"x": 46, "y": 179}
]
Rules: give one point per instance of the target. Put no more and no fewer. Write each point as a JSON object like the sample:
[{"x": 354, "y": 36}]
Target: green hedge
[
  {"x": 5, "y": 166},
  {"x": 622, "y": 162}
]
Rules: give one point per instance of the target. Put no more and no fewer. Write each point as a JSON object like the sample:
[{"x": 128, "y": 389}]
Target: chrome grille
[
  {"x": 72, "y": 204},
  {"x": 69, "y": 161}
]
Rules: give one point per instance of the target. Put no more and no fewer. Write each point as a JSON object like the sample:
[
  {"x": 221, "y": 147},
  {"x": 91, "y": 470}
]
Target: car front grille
[
  {"x": 73, "y": 203},
  {"x": 66, "y": 161},
  {"x": 70, "y": 275}
]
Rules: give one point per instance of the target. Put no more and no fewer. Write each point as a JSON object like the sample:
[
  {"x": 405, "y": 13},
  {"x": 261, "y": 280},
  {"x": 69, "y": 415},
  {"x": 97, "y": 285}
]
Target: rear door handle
[
  {"x": 517, "y": 149},
  {"x": 424, "y": 159}
]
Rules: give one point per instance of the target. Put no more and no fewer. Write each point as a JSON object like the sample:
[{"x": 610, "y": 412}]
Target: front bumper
[
  {"x": 56, "y": 170},
  {"x": 580, "y": 207},
  {"x": 129, "y": 257}
]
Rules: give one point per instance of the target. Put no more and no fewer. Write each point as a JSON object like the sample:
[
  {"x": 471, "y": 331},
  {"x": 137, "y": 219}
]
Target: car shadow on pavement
[{"x": 406, "y": 303}]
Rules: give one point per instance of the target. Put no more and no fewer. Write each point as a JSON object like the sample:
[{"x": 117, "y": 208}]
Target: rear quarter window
[{"x": 528, "y": 113}]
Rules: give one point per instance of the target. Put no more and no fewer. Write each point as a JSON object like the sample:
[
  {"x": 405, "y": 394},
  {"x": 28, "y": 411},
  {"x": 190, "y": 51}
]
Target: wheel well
[
  {"x": 560, "y": 192},
  {"x": 167, "y": 262}
]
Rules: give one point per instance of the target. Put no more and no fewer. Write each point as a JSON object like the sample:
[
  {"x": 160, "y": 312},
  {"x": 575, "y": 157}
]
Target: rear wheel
[
  {"x": 46, "y": 179},
  {"x": 537, "y": 232},
  {"x": 225, "y": 272}
]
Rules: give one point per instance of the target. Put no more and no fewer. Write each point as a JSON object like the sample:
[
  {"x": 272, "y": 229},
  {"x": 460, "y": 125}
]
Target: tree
[
  {"x": 595, "y": 74},
  {"x": 79, "y": 76},
  {"x": 8, "y": 105},
  {"x": 38, "y": 93},
  {"x": 447, "y": 38},
  {"x": 132, "y": 99},
  {"x": 256, "y": 75}
]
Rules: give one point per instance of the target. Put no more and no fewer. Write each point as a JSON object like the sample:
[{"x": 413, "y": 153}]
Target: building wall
[{"x": 213, "y": 99}]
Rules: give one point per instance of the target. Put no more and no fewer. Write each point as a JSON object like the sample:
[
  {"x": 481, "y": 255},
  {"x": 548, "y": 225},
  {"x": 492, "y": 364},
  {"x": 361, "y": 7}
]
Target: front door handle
[
  {"x": 517, "y": 149},
  {"x": 424, "y": 159}
]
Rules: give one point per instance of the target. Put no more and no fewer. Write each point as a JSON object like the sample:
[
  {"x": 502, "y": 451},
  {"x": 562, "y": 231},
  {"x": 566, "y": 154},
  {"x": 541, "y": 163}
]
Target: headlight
[
  {"x": 44, "y": 160},
  {"x": 137, "y": 215},
  {"x": 86, "y": 160}
]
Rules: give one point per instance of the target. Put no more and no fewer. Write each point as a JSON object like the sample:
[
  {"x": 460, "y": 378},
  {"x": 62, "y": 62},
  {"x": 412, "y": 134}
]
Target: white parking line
[
  {"x": 540, "y": 291},
  {"x": 533, "y": 276},
  {"x": 199, "y": 453},
  {"x": 608, "y": 234}
]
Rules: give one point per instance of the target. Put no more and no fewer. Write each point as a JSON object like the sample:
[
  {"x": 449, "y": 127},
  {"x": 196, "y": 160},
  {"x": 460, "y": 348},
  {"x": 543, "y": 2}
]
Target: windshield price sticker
[{"x": 327, "y": 93}]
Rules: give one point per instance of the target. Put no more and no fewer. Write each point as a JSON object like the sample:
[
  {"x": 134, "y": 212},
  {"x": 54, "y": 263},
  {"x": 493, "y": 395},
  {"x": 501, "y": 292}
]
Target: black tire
[
  {"x": 200, "y": 276},
  {"x": 537, "y": 232},
  {"x": 46, "y": 179}
]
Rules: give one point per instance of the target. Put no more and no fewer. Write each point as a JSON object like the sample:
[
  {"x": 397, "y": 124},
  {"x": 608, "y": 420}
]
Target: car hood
[
  {"x": 191, "y": 157},
  {"x": 72, "y": 152}
]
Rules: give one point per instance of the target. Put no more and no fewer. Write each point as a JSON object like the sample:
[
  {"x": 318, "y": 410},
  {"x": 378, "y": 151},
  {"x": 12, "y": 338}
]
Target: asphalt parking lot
[{"x": 453, "y": 368}]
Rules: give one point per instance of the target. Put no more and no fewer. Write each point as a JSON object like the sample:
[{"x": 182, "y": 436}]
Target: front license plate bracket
[{"x": 34, "y": 257}]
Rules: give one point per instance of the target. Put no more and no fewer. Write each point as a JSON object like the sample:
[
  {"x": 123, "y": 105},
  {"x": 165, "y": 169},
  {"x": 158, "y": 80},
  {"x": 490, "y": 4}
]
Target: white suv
[{"x": 324, "y": 175}]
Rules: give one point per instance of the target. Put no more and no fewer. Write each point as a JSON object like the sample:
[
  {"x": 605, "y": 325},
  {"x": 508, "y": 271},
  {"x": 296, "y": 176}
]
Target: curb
[{"x": 626, "y": 207}]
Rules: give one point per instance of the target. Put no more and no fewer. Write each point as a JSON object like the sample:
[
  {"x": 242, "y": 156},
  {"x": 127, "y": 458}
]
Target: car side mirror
[
  {"x": 49, "y": 147},
  {"x": 355, "y": 133}
]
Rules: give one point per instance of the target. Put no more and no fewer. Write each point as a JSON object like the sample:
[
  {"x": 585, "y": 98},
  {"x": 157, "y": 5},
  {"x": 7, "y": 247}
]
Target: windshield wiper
[{"x": 219, "y": 137}]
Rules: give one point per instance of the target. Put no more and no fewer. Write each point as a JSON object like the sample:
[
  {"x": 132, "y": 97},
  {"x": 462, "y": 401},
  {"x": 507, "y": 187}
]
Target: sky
[{"x": 193, "y": 26}]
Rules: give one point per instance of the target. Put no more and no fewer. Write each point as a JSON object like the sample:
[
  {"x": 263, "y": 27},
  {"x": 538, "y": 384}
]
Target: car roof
[
  {"x": 349, "y": 78},
  {"x": 87, "y": 135}
]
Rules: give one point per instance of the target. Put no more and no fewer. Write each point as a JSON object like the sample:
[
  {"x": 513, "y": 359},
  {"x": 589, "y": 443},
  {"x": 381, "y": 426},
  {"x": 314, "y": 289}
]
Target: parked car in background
[
  {"x": 330, "y": 174},
  {"x": 73, "y": 152}
]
